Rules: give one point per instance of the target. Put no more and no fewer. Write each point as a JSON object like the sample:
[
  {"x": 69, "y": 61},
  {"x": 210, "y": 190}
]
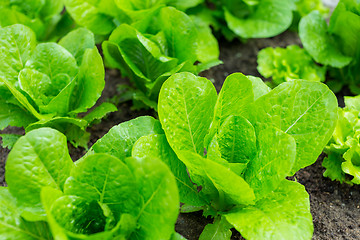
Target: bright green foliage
[
  {"x": 304, "y": 7},
  {"x": 266, "y": 18},
  {"x": 336, "y": 44},
  {"x": 94, "y": 15},
  {"x": 343, "y": 151},
  {"x": 265, "y": 172},
  {"x": 191, "y": 123},
  {"x": 30, "y": 167},
  {"x": 237, "y": 140},
  {"x": 153, "y": 48},
  {"x": 253, "y": 139},
  {"x": 158, "y": 191},
  {"x": 259, "y": 87},
  {"x": 8, "y": 140},
  {"x": 111, "y": 174},
  {"x": 234, "y": 91},
  {"x": 149, "y": 40},
  {"x": 220, "y": 229},
  {"x": 253, "y": 18},
  {"x": 102, "y": 17},
  {"x": 42, "y": 16},
  {"x": 273, "y": 217},
  {"x": 121, "y": 138},
  {"x": 13, "y": 226},
  {"x": 319, "y": 43},
  {"x": 308, "y": 110},
  {"x": 287, "y": 64},
  {"x": 99, "y": 197},
  {"x": 48, "y": 84},
  {"x": 156, "y": 145}
]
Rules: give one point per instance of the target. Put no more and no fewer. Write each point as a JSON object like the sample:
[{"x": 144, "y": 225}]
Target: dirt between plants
[{"x": 335, "y": 208}]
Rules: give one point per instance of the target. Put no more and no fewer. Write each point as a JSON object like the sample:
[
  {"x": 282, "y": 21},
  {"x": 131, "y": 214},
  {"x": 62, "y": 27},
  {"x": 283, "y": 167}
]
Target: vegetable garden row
[{"x": 229, "y": 154}]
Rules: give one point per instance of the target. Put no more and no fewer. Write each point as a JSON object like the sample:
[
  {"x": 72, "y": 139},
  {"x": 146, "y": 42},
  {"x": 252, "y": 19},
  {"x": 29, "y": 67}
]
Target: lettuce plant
[
  {"x": 98, "y": 197},
  {"x": 239, "y": 146},
  {"x": 152, "y": 49},
  {"x": 102, "y": 17},
  {"x": 287, "y": 64},
  {"x": 304, "y": 7},
  {"x": 342, "y": 162},
  {"x": 44, "y": 17},
  {"x": 254, "y": 18},
  {"x": 121, "y": 140},
  {"x": 148, "y": 40},
  {"x": 48, "y": 84},
  {"x": 335, "y": 45}
]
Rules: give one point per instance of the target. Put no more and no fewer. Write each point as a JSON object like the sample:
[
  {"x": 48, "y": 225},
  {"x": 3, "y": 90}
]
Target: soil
[{"x": 335, "y": 208}]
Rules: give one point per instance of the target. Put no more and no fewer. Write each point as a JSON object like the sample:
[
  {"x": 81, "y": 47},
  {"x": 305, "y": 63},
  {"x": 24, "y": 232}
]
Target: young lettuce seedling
[
  {"x": 98, "y": 197},
  {"x": 48, "y": 84},
  {"x": 149, "y": 41},
  {"x": 146, "y": 133},
  {"x": 287, "y": 64},
  {"x": 153, "y": 48},
  {"x": 337, "y": 44},
  {"x": 343, "y": 151},
  {"x": 102, "y": 17},
  {"x": 254, "y": 18},
  {"x": 44, "y": 17},
  {"x": 253, "y": 138}
]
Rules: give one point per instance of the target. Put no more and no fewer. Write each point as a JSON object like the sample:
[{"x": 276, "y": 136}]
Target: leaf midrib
[
  {"x": 150, "y": 199},
  {"x": 303, "y": 114},
  {"x": 21, "y": 230},
  {"x": 188, "y": 120},
  {"x": 43, "y": 164}
]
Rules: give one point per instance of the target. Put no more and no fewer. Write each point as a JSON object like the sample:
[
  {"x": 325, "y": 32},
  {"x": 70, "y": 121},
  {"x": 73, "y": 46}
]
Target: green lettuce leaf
[
  {"x": 120, "y": 139},
  {"x": 275, "y": 216},
  {"x": 185, "y": 113},
  {"x": 8, "y": 140},
  {"x": 315, "y": 37},
  {"x": 268, "y": 18},
  {"x": 13, "y": 226},
  {"x": 157, "y": 187},
  {"x": 332, "y": 163},
  {"x": 106, "y": 180},
  {"x": 43, "y": 85},
  {"x": 234, "y": 99},
  {"x": 233, "y": 189},
  {"x": 275, "y": 159},
  {"x": 287, "y": 64},
  {"x": 53, "y": 60},
  {"x": 144, "y": 58},
  {"x": 92, "y": 15},
  {"x": 14, "y": 115},
  {"x": 351, "y": 165},
  {"x": 220, "y": 229},
  {"x": 302, "y": 109},
  {"x": 38, "y": 159},
  {"x": 17, "y": 43},
  {"x": 77, "y": 41},
  {"x": 342, "y": 160},
  {"x": 90, "y": 82},
  {"x": 42, "y": 16},
  {"x": 100, "y": 112},
  {"x": 259, "y": 87},
  {"x": 180, "y": 33},
  {"x": 78, "y": 215},
  {"x": 156, "y": 145},
  {"x": 237, "y": 140}
]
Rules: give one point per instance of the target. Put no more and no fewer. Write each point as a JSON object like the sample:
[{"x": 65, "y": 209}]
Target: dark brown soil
[{"x": 335, "y": 207}]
